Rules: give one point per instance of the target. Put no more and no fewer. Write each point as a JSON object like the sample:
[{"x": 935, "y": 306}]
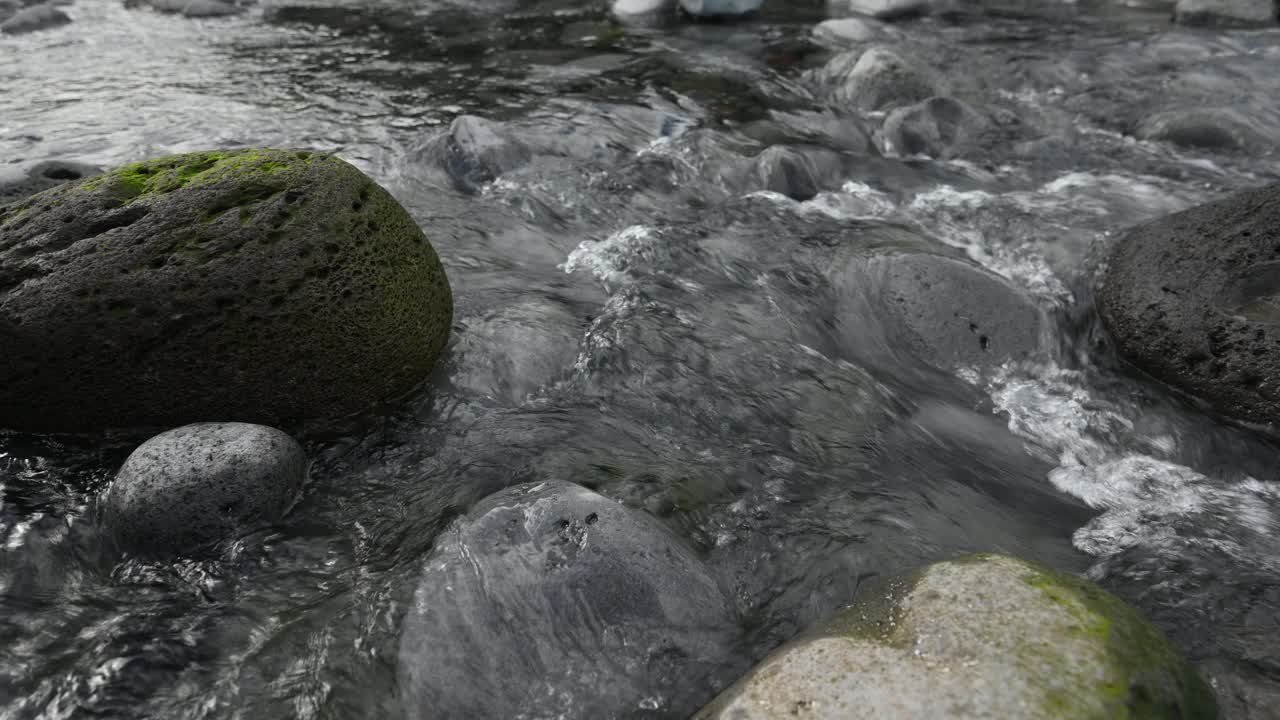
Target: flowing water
[{"x": 634, "y": 316}]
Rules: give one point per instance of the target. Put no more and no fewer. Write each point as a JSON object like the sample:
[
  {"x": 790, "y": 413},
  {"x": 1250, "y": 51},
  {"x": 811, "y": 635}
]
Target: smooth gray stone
[
  {"x": 187, "y": 488},
  {"x": 939, "y": 127},
  {"x": 1226, "y": 13},
  {"x": 38, "y": 17},
  {"x": 882, "y": 9},
  {"x": 720, "y": 8},
  {"x": 877, "y": 78},
  {"x": 1206, "y": 128}
]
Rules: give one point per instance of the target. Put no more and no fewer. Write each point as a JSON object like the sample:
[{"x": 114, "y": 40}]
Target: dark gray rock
[
  {"x": 1226, "y": 13},
  {"x": 187, "y": 488},
  {"x": 882, "y": 9},
  {"x": 875, "y": 79},
  {"x": 475, "y": 152},
  {"x": 940, "y": 127},
  {"x": 210, "y": 8},
  {"x": 720, "y": 8},
  {"x": 37, "y": 17},
  {"x": 1220, "y": 129},
  {"x": 549, "y": 600},
  {"x": 1193, "y": 299},
  {"x": 798, "y": 173},
  {"x": 945, "y": 311},
  {"x": 43, "y": 176},
  {"x": 254, "y": 285}
]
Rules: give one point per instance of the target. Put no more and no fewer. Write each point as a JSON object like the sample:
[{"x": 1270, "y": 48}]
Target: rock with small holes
[
  {"x": 253, "y": 285},
  {"x": 549, "y": 600},
  {"x": 188, "y": 488},
  {"x": 986, "y": 636},
  {"x": 1193, "y": 300},
  {"x": 41, "y": 177},
  {"x": 944, "y": 311}
]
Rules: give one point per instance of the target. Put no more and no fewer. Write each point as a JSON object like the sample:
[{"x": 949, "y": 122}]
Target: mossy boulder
[
  {"x": 267, "y": 286},
  {"x": 981, "y": 637}
]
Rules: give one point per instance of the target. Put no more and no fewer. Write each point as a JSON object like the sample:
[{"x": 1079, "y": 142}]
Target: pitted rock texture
[
  {"x": 266, "y": 286},
  {"x": 1193, "y": 299},
  {"x": 195, "y": 485}
]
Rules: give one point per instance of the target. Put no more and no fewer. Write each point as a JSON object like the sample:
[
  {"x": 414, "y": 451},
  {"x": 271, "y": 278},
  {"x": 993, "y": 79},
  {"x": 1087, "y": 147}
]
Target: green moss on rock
[
  {"x": 980, "y": 637},
  {"x": 258, "y": 285}
]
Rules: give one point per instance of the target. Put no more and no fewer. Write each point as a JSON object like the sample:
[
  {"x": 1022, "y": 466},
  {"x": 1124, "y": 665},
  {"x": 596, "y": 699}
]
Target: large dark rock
[
  {"x": 36, "y": 17},
  {"x": 549, "y": 600},
  {"x": 43, "y": 176},
  {"x": 1193, "y": 299},
  {"x": 263, "y": 286},
  {"x": 985, "y": 636},
  {"x": 945, "y": 311},
  {"x": 199, "y": 484}
]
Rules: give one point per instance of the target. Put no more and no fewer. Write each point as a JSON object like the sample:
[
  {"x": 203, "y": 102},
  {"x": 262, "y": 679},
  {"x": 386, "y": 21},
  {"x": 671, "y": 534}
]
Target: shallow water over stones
[{"x": 646, "y": 304}]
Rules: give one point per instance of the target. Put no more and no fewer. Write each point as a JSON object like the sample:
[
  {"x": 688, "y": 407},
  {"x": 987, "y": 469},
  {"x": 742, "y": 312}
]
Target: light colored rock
[
  {"x": 631, "y": 10},
  {"x": 876, "y": 79},
  {"x": 939, "y": 127},
  {"x": 195, "y": 485},
  {"x": 883, "y": 9},
  {"x": 982, "y": 637},
  {"x": 847, "y": 32},
  {"x": 1226, "y": 13}
]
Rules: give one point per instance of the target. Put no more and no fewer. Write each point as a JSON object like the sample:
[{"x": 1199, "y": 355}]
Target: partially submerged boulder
[
  {"x": 549, "y": 600},
  {"x": 1193, "y": 299},
  {"x": 1227, "y": 13},
  {"x": 41, "y": 177},
  {"x": 36, "y": 17},
  {"x": 981, "y": 637},
  {"x": 266, "y": 286},
  {"x": 187, "y": 488},
  {"x": 878, "y": 78}
]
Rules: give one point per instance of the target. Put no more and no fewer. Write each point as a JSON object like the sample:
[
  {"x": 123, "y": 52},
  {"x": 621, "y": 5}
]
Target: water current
[{"x": 634, "y": 315}]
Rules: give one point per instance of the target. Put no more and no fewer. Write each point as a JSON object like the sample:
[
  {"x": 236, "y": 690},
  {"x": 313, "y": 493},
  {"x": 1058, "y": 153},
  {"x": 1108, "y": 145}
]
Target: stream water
[{"x": 632, "y": 317}]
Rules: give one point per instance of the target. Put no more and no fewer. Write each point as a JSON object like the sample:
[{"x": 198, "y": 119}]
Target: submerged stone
[
  {"x": 1207, "y": 128},
  {"x": 882, "y": 9},
  {"x": 43, "y": 176},
  {"x": 198, "y": 484},
  {"x": 980, "y": 637},
  {"x": 939, "y": 127},
  {"x": 31, "y": 19},
  {"x": 549, "y": 600},
  {"x": 267, "y": 286},
  {"x": 1193, "y": 299},
  {"x": 1227, "y": 13},
  {"x": 720, "y": 8},
  {"x": 878, "y": 78}
]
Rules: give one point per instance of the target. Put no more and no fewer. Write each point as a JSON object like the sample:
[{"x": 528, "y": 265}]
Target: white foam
[{"x": 611, "y": 259}]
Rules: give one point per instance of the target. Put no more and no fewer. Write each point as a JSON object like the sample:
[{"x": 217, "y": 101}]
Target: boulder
[
  {"x": 254, "y": 285},
  {"x": 475, "y": 152},
  {"x": 789, "y": 172},
  {"x": 41, "y": 177},
  {"x": 210, "y": 8},
  {"x": 940, "y": 127},
  {"x": 187, "y": 488},
  {"x": 980, "y": 637},
  {"x": 36, "y": 17},
  {"x": 549, "y": 600},
  {"x": 848, "y": 32},
  {"x": 1220, "y": 129},
  {"x": 1226, "y": 13},
  {"x": 945, "y": 311},
  {"x": 720, "y": 8},
  {"x": 876, "y": 79},
  {"x": 643, "y": 10},
  {"x": 1193, "y": 299},
  {"x": 882, "y": 9}
]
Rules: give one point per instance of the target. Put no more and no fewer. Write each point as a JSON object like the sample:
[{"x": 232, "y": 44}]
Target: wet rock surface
[
  {"x": 41, "y": 177},
  {"x": 254, "y": 285},
  {"x": 550, "y": 600},
  {"x": 33, "y": 18},
  {"x": 1227, "y": 13},
  {"x": 1191, "y": 300},
  {"x": 986, "y": 636},
  {"x": 196, "y": 485}
]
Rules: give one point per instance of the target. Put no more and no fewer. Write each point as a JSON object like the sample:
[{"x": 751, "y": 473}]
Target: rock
[
  {"x": 187, "y": 488},
  {"x": 37, "y": 17},
  {"x": 253, "y": 285},
  {"x": 43, "y": 176},
  {"x": 475, "y": 152},
  {"x": 1193, "y": 299},
  {"x": 875, "y": 79},
  {"x": 785, "y": 171},
  {"x": 1209, "y": 128},
  {"x": 633, "y": 10},
  {"x": 846, "y": 32},
  {"x": 940, "y": 127},
  {"x": 720, "y": 8},
  {"x": 548, "y": 600},
  {"x": 882, "y": 9},
  {"x": 980, "y": 637},
  {"x": 210, "y": 8},
  {"x": 1226, "y": 13},
  {"x": 947, "y": 312}
]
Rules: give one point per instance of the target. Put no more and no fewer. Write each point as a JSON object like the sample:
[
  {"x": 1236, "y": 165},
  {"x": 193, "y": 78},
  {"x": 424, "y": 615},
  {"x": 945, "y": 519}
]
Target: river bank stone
[
  {"x": 268, "y": 286},
  {"x": 198, "y": 484},
  {"x": 981, "y": 637},
  {"x": 36, "y": 17},
  {"x": 41, "y": 177},
  {"x": 1193, "y": 299},
  {"x": 549, "y": 600}
]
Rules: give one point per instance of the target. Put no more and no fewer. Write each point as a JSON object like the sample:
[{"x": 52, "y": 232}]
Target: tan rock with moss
[
  {"x": 255, "y": 285},
  {"x": 982, "y": 637}
]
